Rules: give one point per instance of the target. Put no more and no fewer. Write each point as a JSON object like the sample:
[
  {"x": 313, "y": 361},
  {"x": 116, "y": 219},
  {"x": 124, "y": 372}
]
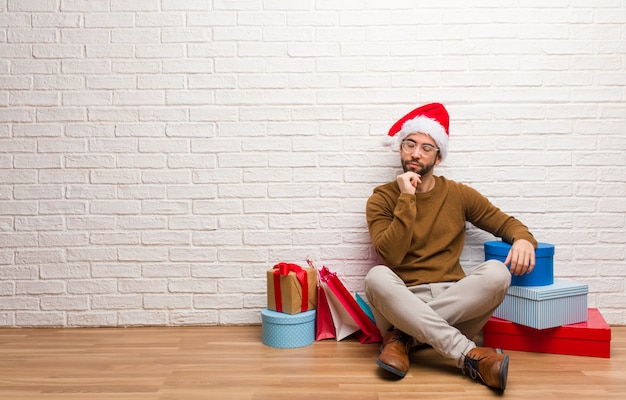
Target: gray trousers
[{"x": 445, "y": 315}]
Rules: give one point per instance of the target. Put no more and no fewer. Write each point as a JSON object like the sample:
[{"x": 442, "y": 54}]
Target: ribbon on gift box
[{"x": 283, "y": 269}]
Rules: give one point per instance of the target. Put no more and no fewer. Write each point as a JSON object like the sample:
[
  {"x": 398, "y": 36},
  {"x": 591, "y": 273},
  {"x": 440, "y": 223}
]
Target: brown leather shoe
[
  {"x": 490, "y": 366},
  {"x": 394, "y": 356}
]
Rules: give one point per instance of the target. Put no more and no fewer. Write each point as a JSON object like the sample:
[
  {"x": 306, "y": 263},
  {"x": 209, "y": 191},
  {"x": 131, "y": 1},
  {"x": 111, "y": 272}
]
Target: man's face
[{"x": 419, "y": 160}]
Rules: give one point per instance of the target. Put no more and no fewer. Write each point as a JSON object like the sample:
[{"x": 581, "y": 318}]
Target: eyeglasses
[{"x": 425, "y": 149}]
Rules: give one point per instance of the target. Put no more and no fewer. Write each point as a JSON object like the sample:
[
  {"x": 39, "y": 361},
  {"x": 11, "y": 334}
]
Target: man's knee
[
  {"x": 378, "y": 282},
  {"x": 499, "y": 274},
  {"x": 375, "y": 275}
]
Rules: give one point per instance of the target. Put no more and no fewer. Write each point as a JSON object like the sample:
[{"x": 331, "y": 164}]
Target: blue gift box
[
  {"x": 542, "y": 274},
  {"x": 287, "y": 330},
  {"x": 541, "y": 307}
]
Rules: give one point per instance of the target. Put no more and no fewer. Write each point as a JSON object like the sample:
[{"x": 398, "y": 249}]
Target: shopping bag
[
  {"x": 366, "y": 307},
  {"x": 342, "y": 320},
  {"x": 348, "y": 315},
  {"x": 324, "y": 328}
]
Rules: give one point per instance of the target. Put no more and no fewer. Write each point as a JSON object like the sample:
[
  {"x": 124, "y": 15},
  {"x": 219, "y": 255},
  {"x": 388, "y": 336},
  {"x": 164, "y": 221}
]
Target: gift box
[
  {"x": 541, "y": 307},
  {"x": 591, "y": 338},
  {"x": 287, "y": 330},
  {"x": 291, "y": 289},
  {"x": 542, "y": 274}
]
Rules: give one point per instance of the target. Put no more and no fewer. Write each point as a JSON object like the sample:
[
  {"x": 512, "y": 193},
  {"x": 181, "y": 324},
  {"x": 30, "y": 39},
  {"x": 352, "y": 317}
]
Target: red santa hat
[{"x": 431, "y": 119}]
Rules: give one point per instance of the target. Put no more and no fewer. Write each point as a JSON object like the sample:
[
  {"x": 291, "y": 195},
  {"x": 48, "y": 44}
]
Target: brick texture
[{"x": 158, "y": 156}]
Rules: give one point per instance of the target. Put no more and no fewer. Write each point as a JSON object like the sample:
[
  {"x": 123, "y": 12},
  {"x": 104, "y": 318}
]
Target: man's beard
[{"x": 421, "y": 171}]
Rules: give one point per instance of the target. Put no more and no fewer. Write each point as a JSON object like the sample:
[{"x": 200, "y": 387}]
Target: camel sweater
[{"x": 421, "y": 236}]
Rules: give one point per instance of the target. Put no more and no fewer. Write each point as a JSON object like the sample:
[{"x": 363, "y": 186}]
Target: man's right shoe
[
  {"x": 488, "y": 366},
  {"x": 394, "y": 356}
]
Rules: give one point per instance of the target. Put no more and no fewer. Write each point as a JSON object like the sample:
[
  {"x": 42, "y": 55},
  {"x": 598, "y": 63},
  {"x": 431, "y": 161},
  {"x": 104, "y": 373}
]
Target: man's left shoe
[
  {"x": 487, "y": 365},
  {"x": 394, "y": 355}
]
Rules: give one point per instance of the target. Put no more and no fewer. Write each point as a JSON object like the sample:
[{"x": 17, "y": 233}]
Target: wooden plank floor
[{"x": 181, "y": 363}]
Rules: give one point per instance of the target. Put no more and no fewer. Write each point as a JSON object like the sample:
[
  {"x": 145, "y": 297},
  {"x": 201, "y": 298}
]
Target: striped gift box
[{"x": 561, "y": 303}]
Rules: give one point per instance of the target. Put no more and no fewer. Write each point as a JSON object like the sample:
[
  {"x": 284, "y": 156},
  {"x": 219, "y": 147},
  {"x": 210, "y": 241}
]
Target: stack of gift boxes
[
  {"x": 543, "y": 314},
  {"x": 289, "y": 319}
]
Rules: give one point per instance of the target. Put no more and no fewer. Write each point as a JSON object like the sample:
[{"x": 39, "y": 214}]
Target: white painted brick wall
[{"x": 158, "y": 156}]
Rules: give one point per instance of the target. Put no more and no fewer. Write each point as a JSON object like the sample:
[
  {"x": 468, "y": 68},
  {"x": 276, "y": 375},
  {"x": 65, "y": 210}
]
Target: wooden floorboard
[{"x": 187, "y": 363}]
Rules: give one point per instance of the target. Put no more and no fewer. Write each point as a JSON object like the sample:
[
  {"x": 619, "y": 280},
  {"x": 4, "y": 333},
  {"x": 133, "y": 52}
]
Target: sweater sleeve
[
  {"x": 486, "y": 216},
  {"x": 390, "y": 224}
]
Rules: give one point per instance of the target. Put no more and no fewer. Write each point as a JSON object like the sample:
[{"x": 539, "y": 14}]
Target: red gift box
[{"x": 591, "y": 338}]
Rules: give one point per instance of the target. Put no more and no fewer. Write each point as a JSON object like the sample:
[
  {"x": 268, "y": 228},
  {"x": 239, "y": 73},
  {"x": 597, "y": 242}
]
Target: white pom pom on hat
[{"x": 431, "y": 119}]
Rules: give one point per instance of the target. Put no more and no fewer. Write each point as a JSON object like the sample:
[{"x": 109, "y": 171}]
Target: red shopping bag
[
  {"x": 324, "y": 328},
  {"x": 349, "y": 317}
]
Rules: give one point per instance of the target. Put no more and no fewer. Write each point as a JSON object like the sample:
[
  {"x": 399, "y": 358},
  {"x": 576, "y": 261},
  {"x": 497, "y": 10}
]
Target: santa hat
[{"x": 431, "y": 119}]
